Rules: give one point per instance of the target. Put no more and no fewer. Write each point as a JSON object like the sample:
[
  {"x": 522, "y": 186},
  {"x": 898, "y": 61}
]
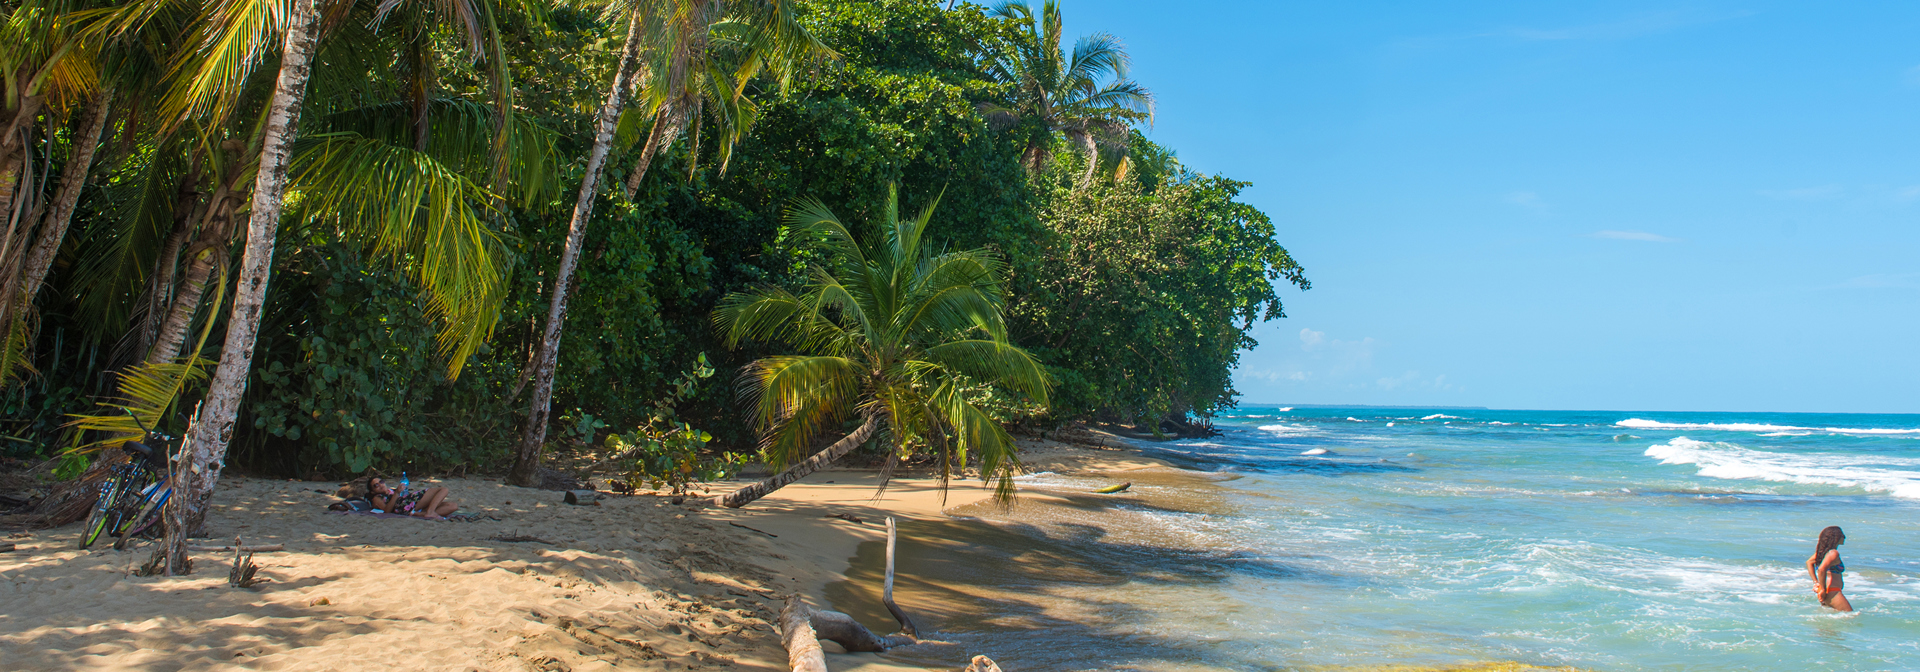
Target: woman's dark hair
[
  {"x": 1829, "y": 540},
  {"x": 356, "y": 488}
]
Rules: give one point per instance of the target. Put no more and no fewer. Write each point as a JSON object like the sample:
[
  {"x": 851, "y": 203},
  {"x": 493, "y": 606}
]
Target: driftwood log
[
  {"x": 886, "y": 590},
  {"x": 803, "y": 645},
  {"x": 982, "y": 664},
  {"x": 802, "y": 627}
]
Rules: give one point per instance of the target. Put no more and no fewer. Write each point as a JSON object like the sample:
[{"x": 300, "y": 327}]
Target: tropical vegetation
[
  {"x": 325, "y": 237},
  {"x": 909, "y": 339}
]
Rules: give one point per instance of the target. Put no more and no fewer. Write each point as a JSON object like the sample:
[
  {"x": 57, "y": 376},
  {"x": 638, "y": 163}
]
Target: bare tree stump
[
  {"x": 170, "y": 556},
  {"x": 243, "y": 568}
]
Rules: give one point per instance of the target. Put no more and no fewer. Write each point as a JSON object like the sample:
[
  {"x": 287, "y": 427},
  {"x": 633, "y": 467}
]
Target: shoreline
[{"x": 638, "y": 583}]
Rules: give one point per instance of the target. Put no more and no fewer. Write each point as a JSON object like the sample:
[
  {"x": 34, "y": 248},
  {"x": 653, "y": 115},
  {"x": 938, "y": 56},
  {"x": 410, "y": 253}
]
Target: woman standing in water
[{"x": 1825, "y": 567}]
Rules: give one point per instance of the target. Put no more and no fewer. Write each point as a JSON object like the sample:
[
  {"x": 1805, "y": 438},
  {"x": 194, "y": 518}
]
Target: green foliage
[
  {"x": 667, "y": 451},
  {"x": 354, "y": 381},
  {"x": 404, "y": 255},
  {"x": 1144, "y": 300},
  {"x": 893, "y": 329}
]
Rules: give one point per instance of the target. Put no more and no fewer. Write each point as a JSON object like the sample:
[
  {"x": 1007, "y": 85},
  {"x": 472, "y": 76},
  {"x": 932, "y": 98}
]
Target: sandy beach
[{"x": 632, "y": 583}]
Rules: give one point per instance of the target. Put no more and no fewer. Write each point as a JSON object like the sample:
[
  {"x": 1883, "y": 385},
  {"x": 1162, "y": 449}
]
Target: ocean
[{"x": 1329, "y": 538}]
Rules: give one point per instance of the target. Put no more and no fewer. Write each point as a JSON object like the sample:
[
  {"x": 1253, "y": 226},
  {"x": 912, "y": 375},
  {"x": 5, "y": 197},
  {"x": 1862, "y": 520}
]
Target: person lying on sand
[
  {"x": 1825, "y": 567},
  {"x": 430, "y": 503}
]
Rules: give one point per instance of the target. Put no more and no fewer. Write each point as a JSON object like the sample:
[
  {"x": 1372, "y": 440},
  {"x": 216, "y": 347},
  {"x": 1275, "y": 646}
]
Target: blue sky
[{"x": 1633, "y": 205}]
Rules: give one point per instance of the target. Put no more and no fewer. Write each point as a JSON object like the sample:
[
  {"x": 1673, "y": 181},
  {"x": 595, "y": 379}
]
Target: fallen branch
[
  {"x": 519, "y": 538},
  {"x": 886, "y": 591},
  {"x": 802, "y": 627},
  {"x": 248, "y": 549},
  {"x": 770, "y": 534}
]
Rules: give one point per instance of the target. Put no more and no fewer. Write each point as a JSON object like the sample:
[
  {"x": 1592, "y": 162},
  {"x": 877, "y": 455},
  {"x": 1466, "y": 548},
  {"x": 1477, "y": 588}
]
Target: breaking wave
[{"x": 1733, "y": 462}]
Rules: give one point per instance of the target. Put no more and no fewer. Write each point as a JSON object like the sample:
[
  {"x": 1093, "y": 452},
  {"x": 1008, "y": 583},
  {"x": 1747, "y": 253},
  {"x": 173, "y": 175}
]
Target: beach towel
[{"x": 378, "y": 514}]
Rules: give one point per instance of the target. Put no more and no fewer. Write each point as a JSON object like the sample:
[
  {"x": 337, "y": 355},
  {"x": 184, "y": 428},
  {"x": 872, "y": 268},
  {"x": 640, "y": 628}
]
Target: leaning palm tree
[
  {"x": 1065, "y": 95},
  {"x": 905, "y": 338},
  {"x": 682, "y": 59}
]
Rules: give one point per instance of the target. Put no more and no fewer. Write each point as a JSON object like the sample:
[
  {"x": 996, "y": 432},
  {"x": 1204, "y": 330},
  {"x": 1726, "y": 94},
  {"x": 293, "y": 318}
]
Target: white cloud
[
  {"x": 1641, "y": 236},
  {"x": 1275, "y": 376},
  {"x": 1818, "y": 193},
  {"x": 1310, "y": 339}
]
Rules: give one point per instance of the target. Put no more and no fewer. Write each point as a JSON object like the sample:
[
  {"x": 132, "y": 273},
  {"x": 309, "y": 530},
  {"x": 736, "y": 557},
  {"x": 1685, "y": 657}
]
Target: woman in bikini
[
  {"x": 1825, "y": 568},
  {"x": 430, "y": 503}
]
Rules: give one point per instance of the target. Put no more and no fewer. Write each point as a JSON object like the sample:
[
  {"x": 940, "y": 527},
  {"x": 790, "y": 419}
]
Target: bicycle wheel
[
  {"x": 149, "y": 513},
  {"x": 103, "y": 511}
]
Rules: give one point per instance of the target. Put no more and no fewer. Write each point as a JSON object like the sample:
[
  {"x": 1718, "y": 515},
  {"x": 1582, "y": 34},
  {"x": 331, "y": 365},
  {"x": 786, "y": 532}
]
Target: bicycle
[{"x": 131, "y": 500}]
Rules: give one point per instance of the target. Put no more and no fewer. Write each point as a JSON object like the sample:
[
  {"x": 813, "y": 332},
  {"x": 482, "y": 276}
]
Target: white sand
[{"x": 633, "y": 584}]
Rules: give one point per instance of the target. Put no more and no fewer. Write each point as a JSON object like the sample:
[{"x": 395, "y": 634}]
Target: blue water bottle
[{"x": 404, "y": 483}]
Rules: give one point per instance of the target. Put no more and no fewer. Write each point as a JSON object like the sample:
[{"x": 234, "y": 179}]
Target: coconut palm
[
  {"x": 1065, "y": 95},
  {"x": 908, "y": 339},
  {"x": 405, "y": 195},
  {"x": 689, "y": 59}
]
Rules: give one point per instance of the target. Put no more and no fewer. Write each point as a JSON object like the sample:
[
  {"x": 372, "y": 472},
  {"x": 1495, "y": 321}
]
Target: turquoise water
[{"x": 1602, "y": 540}]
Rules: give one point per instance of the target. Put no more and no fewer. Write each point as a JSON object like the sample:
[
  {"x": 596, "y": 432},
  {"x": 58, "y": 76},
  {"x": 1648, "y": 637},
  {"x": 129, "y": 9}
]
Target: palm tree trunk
[
  {"x": 535, "y": 435},
  {"x": 667, "y": 128},
  {"x": 159, "y": 295},
  {"x": 749, "y": 494},
  {"x": 9, "y": 185},
  {"x": 213, "y": 428},
  {"x": 72, "y": 179},
  {"x": 193, "y": 286}
]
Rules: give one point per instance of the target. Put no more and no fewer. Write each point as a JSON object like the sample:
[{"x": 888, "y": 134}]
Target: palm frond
[
  {"x": 421, "y": 214},
  {"x": 995, "y": 363},
  {"x": 1096, "y": 57},
  {"x": 768, "y": 314},
  {"x": 148, "y": 391},
  {"x": 794, "y": 397},
  {"x": 236, "y": 37}
]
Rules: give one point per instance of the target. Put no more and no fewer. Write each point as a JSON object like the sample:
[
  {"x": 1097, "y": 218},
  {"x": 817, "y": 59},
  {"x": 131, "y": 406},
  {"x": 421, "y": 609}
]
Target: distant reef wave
[{"x": 1637, "y": 423}]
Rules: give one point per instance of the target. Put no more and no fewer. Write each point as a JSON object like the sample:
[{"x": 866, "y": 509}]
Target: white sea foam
[
  {"x": 1355, "y": 419},
  {"x": 1733, "y": 462},
  {"x": 1438, "y": 416},
  {"x": 1284, "y": 409},
  {"x": 1286, "y": 429},
  {"x": 1638, "y": 423}
]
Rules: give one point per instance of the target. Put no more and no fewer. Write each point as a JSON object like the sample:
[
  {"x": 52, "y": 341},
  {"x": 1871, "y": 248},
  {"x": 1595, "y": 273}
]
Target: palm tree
[
  {"x": 1065, "y": 95},
  {"x": 399, "y": 197},
  {"x": 693, "y": 56},
  {"x": 896, "y": 333}
]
